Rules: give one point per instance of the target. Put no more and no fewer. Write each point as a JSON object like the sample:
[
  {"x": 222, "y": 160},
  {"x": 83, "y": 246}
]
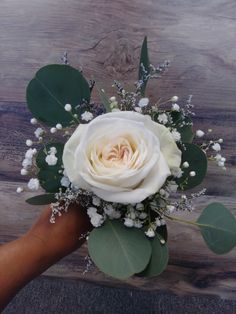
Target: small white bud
[
  {"x": 143, "y": 215},
  {"x": 192, "y": 173},
  {"x": 175, "y": 107},
  {"x": 68, "y": 107},
  {"x": 87, "y": 116},
  {"x": 221, "y": 164},
  {"x": 128, "y": 222},
  {"x": 200, "y": 133},
  {"x": 75, "y": 115},
  {"x": 29, "y": 143},
  {"x": 174, "y": 98},
  {"x": 51, "y": 160},
  {"x": 52, "y": 150},
  {"x": 33, "y": 121},
  {"x": 23, "y": 172},
  {"x": 162, "y": 118},
  {"x": 96, "y": 201},
  {"x": 216, "y": 147},
  {"x": 220, "y": 140},
  {"x": 113, "y": 98},
  {"x": 143, "y": 102},
  {"x": 138, "y": 109},
  {"x": 150, "y": 233},
  {"x": 170, "y": 208},
  {"x": 59, "y": 126},
  {"x": 185, "y": 164},
  {"x": 53, "y": 130},
  {"x": 33, "y": 184},
  {"x": 19, "y": 189}
]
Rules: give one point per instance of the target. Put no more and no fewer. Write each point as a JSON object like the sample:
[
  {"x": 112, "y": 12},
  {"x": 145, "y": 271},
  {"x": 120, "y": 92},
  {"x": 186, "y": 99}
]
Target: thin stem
[{"x": 182, "y": 220}]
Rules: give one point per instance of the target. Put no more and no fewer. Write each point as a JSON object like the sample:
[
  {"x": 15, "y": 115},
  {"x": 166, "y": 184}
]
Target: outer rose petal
[{"x": 69, "y": 153}]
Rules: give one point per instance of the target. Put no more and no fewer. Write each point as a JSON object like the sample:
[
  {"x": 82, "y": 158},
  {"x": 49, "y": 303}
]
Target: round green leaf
[
  {"x": 40, "y": 159},
  {"x": 50, "y": 180},
  {"x": 159, "y": 258},
  {"x": 51, "y": 89},
  {"x": 119, "y": 251},
  {"x": 43, "y": 199},
  {"x": 197, "y": 162},
  {"x": 218, "y": 228}
]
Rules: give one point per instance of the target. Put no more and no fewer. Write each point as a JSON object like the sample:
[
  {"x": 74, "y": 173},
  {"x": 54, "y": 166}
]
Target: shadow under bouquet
[{"x": 126, "y": 161}]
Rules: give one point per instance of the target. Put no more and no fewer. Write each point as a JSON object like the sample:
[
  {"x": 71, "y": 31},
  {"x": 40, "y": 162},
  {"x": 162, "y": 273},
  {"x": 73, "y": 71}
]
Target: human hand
[
  {"x": 63, "y": 236},
  {"x": 44, "y": 244}
]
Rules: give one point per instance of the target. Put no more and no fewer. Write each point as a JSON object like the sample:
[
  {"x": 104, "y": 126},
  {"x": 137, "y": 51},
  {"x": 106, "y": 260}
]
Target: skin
[{"x": 42, "y": 246}]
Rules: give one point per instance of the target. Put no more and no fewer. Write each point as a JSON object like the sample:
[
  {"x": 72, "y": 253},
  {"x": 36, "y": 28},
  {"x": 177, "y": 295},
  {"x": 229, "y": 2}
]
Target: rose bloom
[{"x": 121, "y": 157}]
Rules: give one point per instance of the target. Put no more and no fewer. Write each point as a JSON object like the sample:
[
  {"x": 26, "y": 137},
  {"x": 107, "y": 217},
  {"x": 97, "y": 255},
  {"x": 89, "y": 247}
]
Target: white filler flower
[
  {"x": 121, "y": 156},
  {"x": 143, "y": 102},
  {"x": 87, "y": 116},
  {"x": 33, "y": 184}
]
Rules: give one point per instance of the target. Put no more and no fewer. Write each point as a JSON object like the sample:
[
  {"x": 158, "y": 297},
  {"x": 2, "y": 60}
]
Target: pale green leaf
[
  {"x": 119, "y": 251},
  {"x": 218, "y": 228}
]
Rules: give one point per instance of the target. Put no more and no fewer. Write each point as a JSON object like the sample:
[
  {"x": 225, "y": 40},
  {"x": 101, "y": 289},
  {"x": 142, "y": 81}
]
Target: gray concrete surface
[{"x": 53, "y": 295}]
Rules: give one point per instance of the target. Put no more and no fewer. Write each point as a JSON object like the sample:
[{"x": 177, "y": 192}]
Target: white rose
[{"x": 121, "y": 157}]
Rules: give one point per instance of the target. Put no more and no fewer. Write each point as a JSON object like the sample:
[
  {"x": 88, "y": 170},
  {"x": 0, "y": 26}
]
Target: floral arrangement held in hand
[{"x": 126, "y": 161}]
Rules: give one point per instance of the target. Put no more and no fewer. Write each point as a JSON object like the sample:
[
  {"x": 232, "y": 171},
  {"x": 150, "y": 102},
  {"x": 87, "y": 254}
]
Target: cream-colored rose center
[{"x": 119, "y": 152}]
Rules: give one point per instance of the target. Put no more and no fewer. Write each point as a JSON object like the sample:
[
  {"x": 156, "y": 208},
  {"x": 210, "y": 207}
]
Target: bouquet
[{"x": 126, "y": 161}]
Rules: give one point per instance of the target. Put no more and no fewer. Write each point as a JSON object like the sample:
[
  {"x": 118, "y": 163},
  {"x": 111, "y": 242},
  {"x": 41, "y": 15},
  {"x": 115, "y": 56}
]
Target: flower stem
[{"x": 182, "y": 220}]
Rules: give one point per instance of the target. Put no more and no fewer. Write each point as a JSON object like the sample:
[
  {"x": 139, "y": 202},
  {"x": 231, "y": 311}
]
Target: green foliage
[
  {"x": 144, "y": 62},
  {"x": 218, "y": 228},
  {"x": 49, "y": 177},
  {"x": 159, "y": 258},
  {"x": 119, "y": 251},
  {"x": 50, "y": 180},
  {"x": 43, "y": 199},
  {"x": 197, "y": 162},
  {"x": 52, "y": 87}
]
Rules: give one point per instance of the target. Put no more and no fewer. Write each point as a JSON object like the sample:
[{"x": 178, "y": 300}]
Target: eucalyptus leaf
[
  {"x": 43, "y": 199},
  {"x": 197, "y": 160},
  {"x": 119, "y": 251},
  {"x": 159, "y": 258},
  {"x": 50, "y": 180},
  {"x": 218, "y": 228},
  {"x": 51, "y": 89},
  {"x": 144, "y": 66}
]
